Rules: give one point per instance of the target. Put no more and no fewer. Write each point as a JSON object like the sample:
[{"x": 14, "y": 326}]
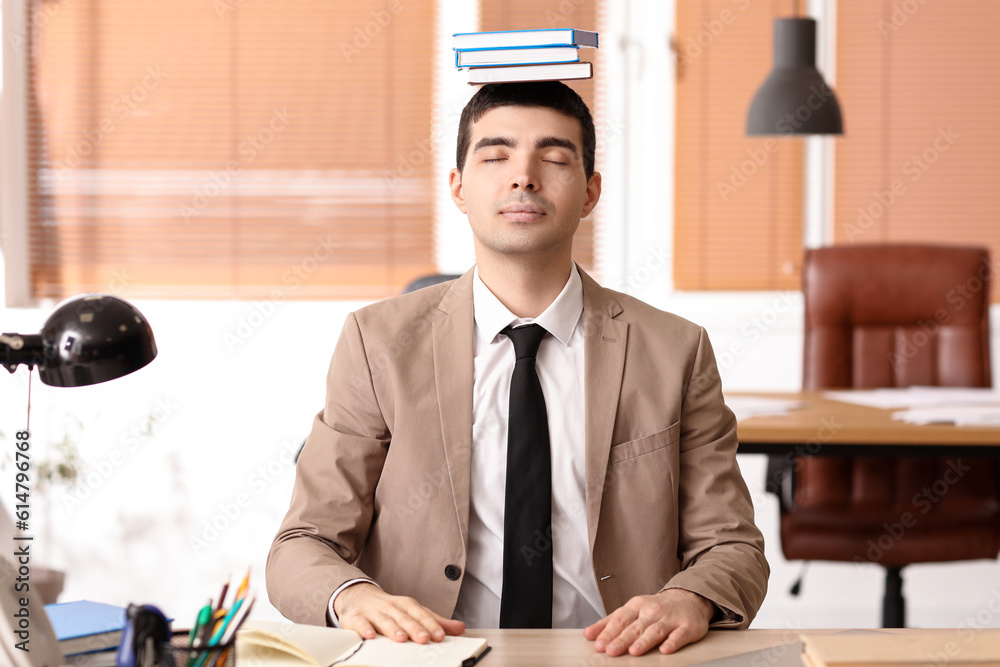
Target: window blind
[
  {"x": 222, "y": 148},
  {"x": 917, "y": 164},
  {"x": 738, "y": 200}
]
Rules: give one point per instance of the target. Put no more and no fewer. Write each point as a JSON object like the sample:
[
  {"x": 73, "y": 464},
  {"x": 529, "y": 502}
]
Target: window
[
  {"x": 230, "y": 148},
  {"x": 738, "y": 200},
  {"x": 917, "y": 159}
]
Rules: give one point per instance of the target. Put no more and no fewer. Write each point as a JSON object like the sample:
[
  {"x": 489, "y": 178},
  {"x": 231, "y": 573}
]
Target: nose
[{"x": 524, "y": 177}]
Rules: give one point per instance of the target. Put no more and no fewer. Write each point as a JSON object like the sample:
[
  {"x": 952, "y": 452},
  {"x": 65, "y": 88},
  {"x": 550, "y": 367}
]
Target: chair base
[{"x": 893, "y": 604}]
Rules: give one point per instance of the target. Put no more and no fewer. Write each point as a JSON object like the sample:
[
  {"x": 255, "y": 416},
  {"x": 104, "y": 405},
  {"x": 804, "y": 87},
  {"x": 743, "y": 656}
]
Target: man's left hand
[{"x": 671, "y": 619}]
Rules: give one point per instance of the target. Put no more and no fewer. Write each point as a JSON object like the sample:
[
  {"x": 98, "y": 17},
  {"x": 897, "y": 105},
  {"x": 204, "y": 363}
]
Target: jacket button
[{"x": 453, "y": 572}]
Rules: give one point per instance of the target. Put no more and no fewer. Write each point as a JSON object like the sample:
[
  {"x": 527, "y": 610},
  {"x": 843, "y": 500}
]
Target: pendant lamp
[{"x": 794, "y": 99}]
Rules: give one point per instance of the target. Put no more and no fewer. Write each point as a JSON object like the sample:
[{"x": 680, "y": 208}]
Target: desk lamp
[{"x": 86, "y": 340}]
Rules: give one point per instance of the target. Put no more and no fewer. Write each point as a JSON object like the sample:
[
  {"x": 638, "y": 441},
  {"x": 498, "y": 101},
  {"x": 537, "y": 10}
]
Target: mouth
[{"x": 522, "y": 212}]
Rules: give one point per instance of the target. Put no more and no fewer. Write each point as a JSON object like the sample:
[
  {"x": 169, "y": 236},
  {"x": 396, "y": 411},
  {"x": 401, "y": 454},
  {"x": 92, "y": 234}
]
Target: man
[{"x": 396, "y": 523}]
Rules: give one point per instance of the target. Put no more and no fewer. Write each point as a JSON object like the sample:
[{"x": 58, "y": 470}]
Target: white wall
[{"x": 197, "y": 445}]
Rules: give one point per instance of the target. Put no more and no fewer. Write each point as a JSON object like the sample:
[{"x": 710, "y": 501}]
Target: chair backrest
[
  {"x": 427, "y": 281},
  {"x": 896, "y": 316}
]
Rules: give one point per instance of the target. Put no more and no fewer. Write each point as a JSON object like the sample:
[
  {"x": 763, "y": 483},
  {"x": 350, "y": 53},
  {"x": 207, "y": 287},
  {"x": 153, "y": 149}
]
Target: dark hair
[{"x": 550, "y": 94}]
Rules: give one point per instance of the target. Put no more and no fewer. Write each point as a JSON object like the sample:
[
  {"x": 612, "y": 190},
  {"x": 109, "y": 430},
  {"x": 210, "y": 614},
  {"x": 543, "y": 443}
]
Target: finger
[
  {"x": 654, "y": 633},
  {"x": 592, "y": 631},
  {"x": 616, "y": 622},
  {"x": 680, "y": 637},
  {"x": 620, "y": 644},
  {"x": 451, "y": 627},
  {"x": 431, "y": 624},
  {"x": 359, "y": 624},
  {"x": 386, "y": 625},
  {"x": 416, "y": 629}
]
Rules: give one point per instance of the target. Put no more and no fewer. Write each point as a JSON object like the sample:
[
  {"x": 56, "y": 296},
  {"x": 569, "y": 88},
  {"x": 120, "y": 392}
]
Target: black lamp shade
[
  {"x": 794, "y": 99},
  {"x": 94, "y": 338}
]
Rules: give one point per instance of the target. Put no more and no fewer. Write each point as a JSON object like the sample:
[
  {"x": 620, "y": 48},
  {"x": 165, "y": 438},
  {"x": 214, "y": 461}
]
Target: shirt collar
[{"x": 559, "y": 319}]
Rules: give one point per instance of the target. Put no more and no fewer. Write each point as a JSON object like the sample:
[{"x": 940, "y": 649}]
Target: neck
[{"x": 526, "y": 289}]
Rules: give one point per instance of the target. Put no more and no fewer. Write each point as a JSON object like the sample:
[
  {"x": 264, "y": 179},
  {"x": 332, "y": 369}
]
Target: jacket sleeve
[
  {"x": 720, "y": 549},
  {"x": 332, "y": 501}
]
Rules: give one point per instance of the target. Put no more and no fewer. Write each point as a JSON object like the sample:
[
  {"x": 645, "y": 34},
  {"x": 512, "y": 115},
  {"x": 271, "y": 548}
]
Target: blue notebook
[{"x": 84, "y": 626}]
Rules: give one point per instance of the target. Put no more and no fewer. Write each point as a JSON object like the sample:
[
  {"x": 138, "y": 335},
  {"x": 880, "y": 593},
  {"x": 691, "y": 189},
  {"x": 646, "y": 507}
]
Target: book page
[
  {"x": 384, "y": 652},
  {"x": 271, "y": 644}
]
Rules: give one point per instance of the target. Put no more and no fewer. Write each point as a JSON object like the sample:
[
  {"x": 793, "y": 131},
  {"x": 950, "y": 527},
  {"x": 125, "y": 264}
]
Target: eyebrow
[{"x": 541, "y": 142}]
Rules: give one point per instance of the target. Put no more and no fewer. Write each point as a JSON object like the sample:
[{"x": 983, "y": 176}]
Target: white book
[
  {"x": 540, "y": 55},
  {"x": 519, "y": 73},
  {"x": 521, "y": 38},
  {"x": 270, "y": 644}
]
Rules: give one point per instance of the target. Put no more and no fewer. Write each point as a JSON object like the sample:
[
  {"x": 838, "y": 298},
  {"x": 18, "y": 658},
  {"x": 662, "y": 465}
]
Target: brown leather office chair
[{"x": 894, "y": 316}]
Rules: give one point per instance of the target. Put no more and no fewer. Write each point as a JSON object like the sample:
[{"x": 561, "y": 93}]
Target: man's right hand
[{"x": 368, "y": 610}]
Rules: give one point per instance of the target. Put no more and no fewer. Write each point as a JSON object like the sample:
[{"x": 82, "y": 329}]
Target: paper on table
[
  {"x": 915, "y": 397},
  {"x": 745, "y": 407},
  {"x": 969, "y": 415}
]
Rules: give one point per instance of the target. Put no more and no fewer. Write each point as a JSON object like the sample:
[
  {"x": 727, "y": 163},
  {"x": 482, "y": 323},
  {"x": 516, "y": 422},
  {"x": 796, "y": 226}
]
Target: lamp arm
[{"x": 17, "y": 349}]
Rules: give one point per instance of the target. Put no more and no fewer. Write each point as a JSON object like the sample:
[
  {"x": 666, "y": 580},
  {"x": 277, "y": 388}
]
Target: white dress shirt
[{"x": 576, "y": 602}]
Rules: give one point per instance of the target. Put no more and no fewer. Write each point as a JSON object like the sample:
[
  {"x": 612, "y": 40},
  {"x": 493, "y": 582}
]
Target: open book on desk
[{"x": 270, "y": 644}]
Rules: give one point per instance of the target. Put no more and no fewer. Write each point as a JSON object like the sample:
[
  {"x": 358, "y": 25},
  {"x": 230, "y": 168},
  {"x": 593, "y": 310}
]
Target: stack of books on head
[{"x": 523, "y": 55}]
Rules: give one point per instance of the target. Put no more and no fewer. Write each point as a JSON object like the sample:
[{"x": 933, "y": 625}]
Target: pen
[
  {"x": 242, "y": 590},
  {"x": 233, "y": 628},
  {"x": 204, "y": 618},
  {"x": 222, "y": 595},
  {"x": 241, "y": 616},
  {"x": 220, "y": 627}
]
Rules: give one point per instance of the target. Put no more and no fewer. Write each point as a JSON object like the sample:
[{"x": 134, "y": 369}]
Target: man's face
[{"x": 523, "y": 185}]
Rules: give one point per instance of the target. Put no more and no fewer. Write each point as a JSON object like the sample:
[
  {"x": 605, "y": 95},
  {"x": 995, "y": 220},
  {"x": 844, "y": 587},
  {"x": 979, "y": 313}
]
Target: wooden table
[
  {"x": 568, "y": 648},
  {"x": 826, "y": 427},
  {"x": 559, "y": 648}
]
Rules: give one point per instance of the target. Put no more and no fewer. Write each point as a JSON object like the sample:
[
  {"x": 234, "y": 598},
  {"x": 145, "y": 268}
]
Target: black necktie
[{"x": 526, "y": 601}]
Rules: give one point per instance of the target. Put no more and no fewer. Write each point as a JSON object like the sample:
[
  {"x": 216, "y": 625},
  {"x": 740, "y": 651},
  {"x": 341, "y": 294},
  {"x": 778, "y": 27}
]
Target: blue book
[
  {"x": 515, "y": 56},
  {"x": 500, "y": 39},
  {"x": 84, "y": 626}
]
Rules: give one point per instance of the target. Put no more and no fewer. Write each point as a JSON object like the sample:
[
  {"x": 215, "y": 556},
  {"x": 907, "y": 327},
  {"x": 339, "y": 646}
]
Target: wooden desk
[
  {"x": 568, "y": 648},
  {"x": 826, "y": 427}
]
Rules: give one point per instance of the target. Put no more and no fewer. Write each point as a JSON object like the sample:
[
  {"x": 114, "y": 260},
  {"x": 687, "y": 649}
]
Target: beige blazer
[{"x": 382, "y": 484}]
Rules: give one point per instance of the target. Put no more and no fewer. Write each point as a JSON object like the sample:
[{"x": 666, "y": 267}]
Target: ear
[
  {"x": 455, "y": 185},
  {"x": 593, "y": 194}
]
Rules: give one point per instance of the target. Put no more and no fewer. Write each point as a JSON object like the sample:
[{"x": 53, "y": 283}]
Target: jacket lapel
[
  {"x": 604, "y": 364},
  {"x": 453, "y": 376}
]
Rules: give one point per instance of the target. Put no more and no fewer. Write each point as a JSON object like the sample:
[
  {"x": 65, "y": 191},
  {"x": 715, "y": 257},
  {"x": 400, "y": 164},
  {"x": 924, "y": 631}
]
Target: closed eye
[{"x": 493, "y": 159}]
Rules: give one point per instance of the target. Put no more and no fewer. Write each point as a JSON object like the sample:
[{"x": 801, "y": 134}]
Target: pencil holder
[{"x": 217, "y": 656}]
